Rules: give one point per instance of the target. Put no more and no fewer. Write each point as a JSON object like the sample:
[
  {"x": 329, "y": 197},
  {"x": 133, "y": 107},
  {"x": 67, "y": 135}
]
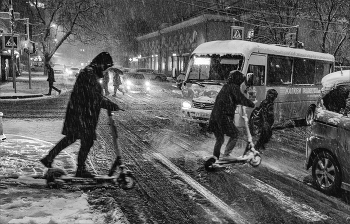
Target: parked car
[
  {"x": 328, "y": 148},
  {"x": 152, "y": 74},
  {"x": 127, "y": 70},
  {"x": 136, "y": 81}
]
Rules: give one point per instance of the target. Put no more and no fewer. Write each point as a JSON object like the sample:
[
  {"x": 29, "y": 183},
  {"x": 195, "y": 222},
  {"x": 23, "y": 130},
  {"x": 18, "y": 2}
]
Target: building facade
[{"x": 168, "y": 50}]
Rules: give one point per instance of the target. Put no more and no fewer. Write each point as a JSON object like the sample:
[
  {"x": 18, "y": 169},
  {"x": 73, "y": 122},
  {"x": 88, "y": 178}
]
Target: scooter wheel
[
  {"x": 208, "y": 164},
  {"x": 255, "y": 161},
  {"x": 126, "y": 181}
]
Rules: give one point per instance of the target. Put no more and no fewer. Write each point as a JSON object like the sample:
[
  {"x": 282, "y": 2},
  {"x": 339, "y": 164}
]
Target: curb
[{"x": 21, "y": 97}]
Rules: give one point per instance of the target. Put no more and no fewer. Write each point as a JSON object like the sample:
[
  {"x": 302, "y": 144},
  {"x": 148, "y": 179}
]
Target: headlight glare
[
  {"x": 128, "y": 82},
  {"x": 186, "y": 105}
]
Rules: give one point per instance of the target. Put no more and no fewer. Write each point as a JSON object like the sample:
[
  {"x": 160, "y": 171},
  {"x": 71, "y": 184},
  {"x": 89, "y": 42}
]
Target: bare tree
[
  {"x": 331, "y": 19},
  {"x": 57, "y": 20}
]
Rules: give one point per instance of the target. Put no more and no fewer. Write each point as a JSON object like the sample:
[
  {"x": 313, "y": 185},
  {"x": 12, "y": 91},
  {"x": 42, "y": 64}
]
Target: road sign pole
[{"x": 13, "y": 47}]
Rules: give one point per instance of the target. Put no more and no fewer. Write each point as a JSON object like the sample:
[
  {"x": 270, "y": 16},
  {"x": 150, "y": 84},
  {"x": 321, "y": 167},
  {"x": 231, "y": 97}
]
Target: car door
[{"x": 344, "y": 145}]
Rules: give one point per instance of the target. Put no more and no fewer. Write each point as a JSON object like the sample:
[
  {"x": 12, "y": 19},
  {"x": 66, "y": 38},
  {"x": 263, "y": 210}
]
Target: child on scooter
[{"x": 267, "y": 119}]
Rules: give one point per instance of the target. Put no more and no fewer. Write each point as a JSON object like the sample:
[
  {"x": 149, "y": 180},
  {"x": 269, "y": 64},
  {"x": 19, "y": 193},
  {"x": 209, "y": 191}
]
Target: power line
[
  {"x": 259, "y": 25},
  {"x": 270, "y": 13}
]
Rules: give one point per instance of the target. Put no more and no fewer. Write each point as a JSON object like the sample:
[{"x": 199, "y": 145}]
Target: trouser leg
[
  {"x": 220, "y": 139},
  {"x": 264, "y": 138},
  {"x": 55, "y": 88},
  {"x": 86, "y": 144},
  {"x": 62, "y": 144},
  {"x": 233, "y": 134},
  {"x": 230, "y": 145},
  {"x": 50, "y": 87}
]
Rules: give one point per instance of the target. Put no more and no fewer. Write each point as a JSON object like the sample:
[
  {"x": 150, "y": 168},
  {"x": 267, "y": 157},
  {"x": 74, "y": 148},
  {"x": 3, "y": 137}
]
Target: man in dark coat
[
  {"x": 51, "y": 79},
  {"x": 222, "y": 116},
  {"x": 83, "y": 111}
]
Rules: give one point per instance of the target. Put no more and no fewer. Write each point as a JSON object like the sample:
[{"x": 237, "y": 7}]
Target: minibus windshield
[{"x": 213, "y": 67}]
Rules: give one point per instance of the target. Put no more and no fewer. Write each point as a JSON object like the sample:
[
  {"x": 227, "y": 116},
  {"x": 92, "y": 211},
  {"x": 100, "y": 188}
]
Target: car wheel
[
  {"x": 310, "y": 116},
  {"x": 326, "y": 173},
  {"x": 158, "y": 79}
]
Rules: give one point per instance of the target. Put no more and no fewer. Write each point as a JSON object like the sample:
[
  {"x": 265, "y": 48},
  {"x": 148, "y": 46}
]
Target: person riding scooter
[
  {"x": 221, "y": 121},
  {"x": 83, "y": 110}
]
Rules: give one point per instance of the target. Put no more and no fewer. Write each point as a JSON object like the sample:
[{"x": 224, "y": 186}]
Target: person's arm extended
[{"x": 242, "y": 99}]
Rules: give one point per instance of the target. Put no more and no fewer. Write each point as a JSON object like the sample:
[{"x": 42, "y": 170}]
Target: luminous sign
[{"x": 202, "y": 61}]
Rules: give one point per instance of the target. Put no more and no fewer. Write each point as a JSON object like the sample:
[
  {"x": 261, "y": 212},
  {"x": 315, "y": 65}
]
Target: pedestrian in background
[
  {"x": 51, "y": 79},
  {"x": 105, "y": 82},
  {"x": 116, "y": 80},
  {"x": 266, "y": 114},
  {"x": 82, "y": 113},
  {"x": 222, "y": 117},
  {"x": 7, "y": 69}
]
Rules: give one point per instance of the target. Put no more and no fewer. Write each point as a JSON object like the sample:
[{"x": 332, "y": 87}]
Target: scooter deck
[
  {"x": 97, "y": 177},
  {"x": 239, "y": 159}
]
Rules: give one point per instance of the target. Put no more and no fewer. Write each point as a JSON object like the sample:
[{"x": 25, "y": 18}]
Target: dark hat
[
  {"x": 103, "y": 58},
  {"x": 236, "y": 77},
  {"x": 273, "y": 92}
]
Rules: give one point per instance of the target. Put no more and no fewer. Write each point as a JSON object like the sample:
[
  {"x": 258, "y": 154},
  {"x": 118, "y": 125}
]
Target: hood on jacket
[
  {"x": 102, "y": 60},
  {"x": 236, "y": 77}
]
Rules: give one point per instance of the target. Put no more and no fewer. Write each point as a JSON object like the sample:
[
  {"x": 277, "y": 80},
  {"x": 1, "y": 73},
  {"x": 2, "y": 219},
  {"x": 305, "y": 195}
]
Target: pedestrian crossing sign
[
  {"x": 7, "y": 41},
  {"x": 237, "y": 33}
]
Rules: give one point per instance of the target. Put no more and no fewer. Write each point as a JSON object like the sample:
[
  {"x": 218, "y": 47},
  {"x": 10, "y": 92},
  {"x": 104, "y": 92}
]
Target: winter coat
[
  {"x": 225, "y": 106},
  {"x": 116, "y": 79},
  {"x": 267, "y": 112},
  {"x": 84, "y": 105},
  {"x": 50, "y": 75}
]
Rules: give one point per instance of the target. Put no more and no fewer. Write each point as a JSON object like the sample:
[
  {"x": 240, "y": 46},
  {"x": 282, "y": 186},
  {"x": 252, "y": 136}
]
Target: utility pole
[
  {"x": 13, "y": 47},
  {"x": 28, "y": 39}
]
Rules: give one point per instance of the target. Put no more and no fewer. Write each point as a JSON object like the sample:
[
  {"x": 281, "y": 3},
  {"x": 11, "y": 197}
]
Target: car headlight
[
  {"x": 186, "y": 105},
  {"x": 147, "y": 83},
  {"x": 128, "y": 82}
]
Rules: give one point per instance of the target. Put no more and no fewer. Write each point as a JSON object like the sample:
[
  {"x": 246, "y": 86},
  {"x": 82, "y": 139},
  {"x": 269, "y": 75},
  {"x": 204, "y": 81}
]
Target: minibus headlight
[{"x": 186, "y": 105}]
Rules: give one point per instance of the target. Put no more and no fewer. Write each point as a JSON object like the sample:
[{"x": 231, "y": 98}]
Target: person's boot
[
  {"x": 82, "y": 172},
  {"x": 46, "y": 162}
]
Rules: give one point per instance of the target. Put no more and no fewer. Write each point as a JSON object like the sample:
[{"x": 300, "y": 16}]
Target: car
[
  {"x": 58, "y": 68},
  {"x": 73, "y": 71},
  {"x": 136, "y": 81},
  {"x": 152, "y": 74},
  {"x": 328, "y": 147},
  {"x": 127, "y": 70}
]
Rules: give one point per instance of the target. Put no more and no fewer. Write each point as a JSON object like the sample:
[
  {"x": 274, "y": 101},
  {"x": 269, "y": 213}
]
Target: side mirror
[{"x": 249, "y": 79}]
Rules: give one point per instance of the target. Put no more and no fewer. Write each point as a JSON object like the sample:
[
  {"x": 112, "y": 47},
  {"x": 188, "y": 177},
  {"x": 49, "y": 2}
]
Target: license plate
[{"x": 201, "y": 115}]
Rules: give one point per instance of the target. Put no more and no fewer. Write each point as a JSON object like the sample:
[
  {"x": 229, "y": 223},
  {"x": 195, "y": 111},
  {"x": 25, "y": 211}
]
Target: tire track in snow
[{"x": 290, "y": 205}]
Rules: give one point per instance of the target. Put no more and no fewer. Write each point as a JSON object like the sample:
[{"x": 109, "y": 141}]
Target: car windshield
[
  {"x": 213, "y": 67},
  {"x": 145, "y": 70},
  {"x": 135, "y": 76}
]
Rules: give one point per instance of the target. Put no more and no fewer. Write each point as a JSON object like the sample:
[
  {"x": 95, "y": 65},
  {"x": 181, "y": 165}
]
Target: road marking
[
  {"x": 294, "y": 208},
  {"x": 217, "y": 202}
]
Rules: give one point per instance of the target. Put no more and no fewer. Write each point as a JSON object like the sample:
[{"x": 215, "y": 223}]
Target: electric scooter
[
  {"x": 118, "y": 174},
  {"x": 250, "y": 155}
]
